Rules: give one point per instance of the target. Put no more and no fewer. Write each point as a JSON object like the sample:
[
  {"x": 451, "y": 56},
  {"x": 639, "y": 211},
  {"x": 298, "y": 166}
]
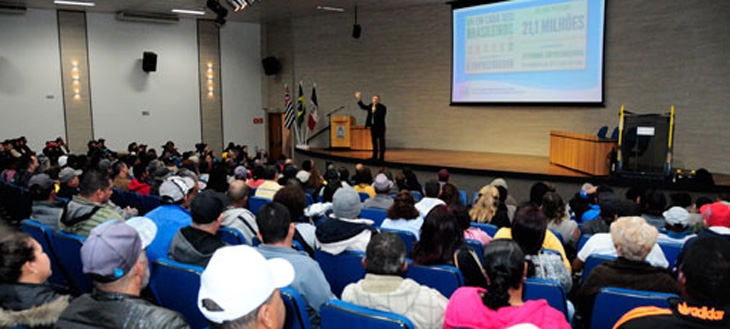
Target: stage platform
[{"x": 525, "y": 167}]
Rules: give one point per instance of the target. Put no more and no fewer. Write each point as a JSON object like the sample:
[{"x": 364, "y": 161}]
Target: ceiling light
[
  {"x": 327, "y": 8},
  {"x": 74, "y": 3},
  {"x": 188, "y": 12}
]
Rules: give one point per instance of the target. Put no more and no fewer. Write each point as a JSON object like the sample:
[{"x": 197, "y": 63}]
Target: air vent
[{"x": 147, "y": 17}]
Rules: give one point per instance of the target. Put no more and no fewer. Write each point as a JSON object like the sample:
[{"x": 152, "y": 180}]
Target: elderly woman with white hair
[{"x": 634, "y": 239}]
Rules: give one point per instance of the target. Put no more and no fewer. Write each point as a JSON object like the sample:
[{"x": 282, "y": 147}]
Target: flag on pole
[
  {"x": 289, "y": 114},
  {"x": 300, "y": 107},
  {"x": 313, "y": 115}
]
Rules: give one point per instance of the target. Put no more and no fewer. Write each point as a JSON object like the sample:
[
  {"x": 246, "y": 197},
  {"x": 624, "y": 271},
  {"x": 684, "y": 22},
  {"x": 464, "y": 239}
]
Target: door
[{"x": 276, "y": 136}]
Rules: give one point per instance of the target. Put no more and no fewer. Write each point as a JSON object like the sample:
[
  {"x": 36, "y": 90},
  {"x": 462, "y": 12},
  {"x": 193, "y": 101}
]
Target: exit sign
[{"x": 258, "y": 121}]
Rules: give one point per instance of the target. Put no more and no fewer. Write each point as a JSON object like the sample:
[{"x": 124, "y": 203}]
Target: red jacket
[{"x": 139, "y": 187}]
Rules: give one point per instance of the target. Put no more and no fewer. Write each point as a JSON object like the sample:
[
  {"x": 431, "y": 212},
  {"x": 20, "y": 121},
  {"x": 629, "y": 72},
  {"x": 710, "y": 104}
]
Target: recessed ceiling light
[
  {"x": 188, "y": 11},
  {"x": 74, "y": 3},
  {"x": 328, "y": 8}
]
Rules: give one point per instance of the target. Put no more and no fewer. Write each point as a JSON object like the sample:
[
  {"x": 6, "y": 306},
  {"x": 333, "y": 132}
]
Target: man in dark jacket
[
  {"x": 114, "y": 257},
  {"x": 195, "y": 244},
  {"x": 46, "y": 209},
  {"x": 376, "y": 122},
  {"x": 704, "y": 279}
]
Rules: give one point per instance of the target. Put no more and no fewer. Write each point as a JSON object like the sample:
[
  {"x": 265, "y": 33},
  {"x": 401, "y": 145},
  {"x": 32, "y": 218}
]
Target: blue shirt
[
  {"x": 169, "y": 218},
  {"x": 309, "y": 281}
]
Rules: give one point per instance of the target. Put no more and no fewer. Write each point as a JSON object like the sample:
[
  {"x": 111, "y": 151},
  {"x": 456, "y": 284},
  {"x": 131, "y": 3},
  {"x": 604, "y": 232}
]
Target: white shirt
[
  {"x": 413, "y": 225},
  {"x": 426, "y": 204},
  {"x": 602, "y": 244}
]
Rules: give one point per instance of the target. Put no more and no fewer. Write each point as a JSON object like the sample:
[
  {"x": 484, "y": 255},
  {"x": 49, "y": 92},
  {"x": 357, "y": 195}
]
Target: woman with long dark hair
[
  {"x": 499, "y": 303},
  {"x": 24, "y": 298},
  {"x": 442, "y": 243}
]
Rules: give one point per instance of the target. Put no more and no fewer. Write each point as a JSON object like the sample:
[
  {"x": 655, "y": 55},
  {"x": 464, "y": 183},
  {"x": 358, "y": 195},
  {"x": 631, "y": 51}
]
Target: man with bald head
[{"x": 236, "y": 215}]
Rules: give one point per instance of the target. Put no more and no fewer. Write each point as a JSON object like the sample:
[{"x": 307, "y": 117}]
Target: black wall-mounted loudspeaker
[
  {"x": 271, "y": 65},
  {"x": 149, "y": 61},
  {"x": 356, "y": 31}
]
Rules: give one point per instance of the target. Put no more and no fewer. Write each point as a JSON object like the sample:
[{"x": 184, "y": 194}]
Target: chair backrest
[
  {"x": 612, "y": 303},
  {"x": 490, "y": 229},
  {"x": 463, "y": 197},
  {"x": 549, "y": 290},
  {"x": 67, "y": 248},
  {"x": 336, "y": 314},
  {"x": 377, "y": 215},
  {"x": 614, "y": 134},
  {"x": 444, "y": 278},
  {"x": 231, "y": 236},
  {"x": 417, "y": 195},
  {"x": 363, "y": 196},
  {"x": 256, "y": 202},
  {"x": 583, "y": 239},
  {"x": 477, "y": 246},
  {"x": 671, "y": 251},
  {"x": 42, "y": 234},
  {"x": 407, "y": 236},
  {"x": 341, "y": 270},
  {"x": 475, "y": 197},
  {"x": 592, "y": 262},
  {"x": 602, "y": 132},
  {"x": 175, "y": 286},
  {"x": 296, "y": 309},
  {"x": 309, "y": 198},
  {"x": 149, "y": 202}
]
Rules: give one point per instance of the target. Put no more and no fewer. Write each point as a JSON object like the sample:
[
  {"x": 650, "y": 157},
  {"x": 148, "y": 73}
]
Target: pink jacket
[{"x": 466, "y": 310}]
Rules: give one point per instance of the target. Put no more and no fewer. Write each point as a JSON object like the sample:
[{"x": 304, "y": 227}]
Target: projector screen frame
[{"x": 459, "y": 4}]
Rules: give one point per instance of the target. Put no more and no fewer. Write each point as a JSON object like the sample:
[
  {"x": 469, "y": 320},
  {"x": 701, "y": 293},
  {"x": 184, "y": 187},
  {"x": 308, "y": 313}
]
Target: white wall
[
  {"x": 31, "y": 100},
  {"x": 120, "y": 90},
  {"x": 241, "y": 79}
]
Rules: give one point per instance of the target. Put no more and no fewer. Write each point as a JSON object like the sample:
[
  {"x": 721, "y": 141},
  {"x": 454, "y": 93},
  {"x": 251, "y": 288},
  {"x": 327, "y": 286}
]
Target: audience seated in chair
[
  {"x": 240, "y": 289},
  {"x": 139, "y": 182},
  {"x": 46, "y": 209},
  {"x": 716, "y": 223},
  {"x": 176, "y": 194},
  {"x": 120, "y": 172},
  {"x": 470, "y": 232},
  {"x": 403, "y": 215},
  {"x": 383, "y": 287},
  {"x": 704, "y": 281},
  {"x": 431, "y": 193},
  {"x": 25, "y": 299},
  {"x": 268, "y": 188},
  {"x": 558, "y": 219},
  {"x": 114, "y": 257},
  {"x": 442, "y": 243},
  {"x": 236, "y": 215},
  {"x": 486, "y": 207},
  {"x": 344, "y": 231},
  {"x": 634, "y": 238},
  {"x": 276, "y": 232},
  {"x": 677, "y": 226},
  {"x": 498, "y": 303},
  {"x": 195, "y": 244},
  {"x": 382, "y": 199},
  {"x": 362, "y": 180},
  {"x": 295, "y": 201},
  {"x": 69, "y": 179},
  {"x": 89, "y": 209},
  {"x": 550, "y": 241}
]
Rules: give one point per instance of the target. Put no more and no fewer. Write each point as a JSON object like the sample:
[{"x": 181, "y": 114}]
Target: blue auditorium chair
[
  {"x": 175, "y": 286},
  {"x": 296, "y": 309},
  {"x": 602, "y": 132},
  {"x": 612, "y": 303},
  {"x": 592, "y": 262},
  {"x": 377, "y": 215},
  {"x": 363, "y": 196},
  {"x": 417, "y": 195},
  {"x": 477, "y": 246},
  {"x": 341, "y": 270},
  {"x": 67, "y": 248},
  {"x": 336, "y": 314},
  {"x": 671, "y": 251},
  {"x": 231, "y": 236},
  {"x": 583, "y": 239},
  {"x": 256, "y": 202},
  {"x": 490, "y": 229},
  {"x": 463, "y": 197},
  {"x": 407, "y": 236},
  {"x": 444, "y": 278},
  {"x": 549, "y": 290}
]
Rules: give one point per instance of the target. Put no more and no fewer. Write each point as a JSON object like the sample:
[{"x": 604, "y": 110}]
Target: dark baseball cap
[{"x": 207, "y": 207}]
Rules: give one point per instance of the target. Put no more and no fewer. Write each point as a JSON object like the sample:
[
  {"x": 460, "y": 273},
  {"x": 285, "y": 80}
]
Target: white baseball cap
[
  {"x": 677, "y": 216},
  {"x": 239, "y": 279}
]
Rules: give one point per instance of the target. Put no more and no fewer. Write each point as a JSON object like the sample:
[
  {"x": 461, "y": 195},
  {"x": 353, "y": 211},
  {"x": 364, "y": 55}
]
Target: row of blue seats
[{"x": 671, "y": 250}]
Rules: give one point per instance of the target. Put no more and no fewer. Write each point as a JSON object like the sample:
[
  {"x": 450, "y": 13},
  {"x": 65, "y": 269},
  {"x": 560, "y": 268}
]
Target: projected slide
[{"x": 546, "y": 51}]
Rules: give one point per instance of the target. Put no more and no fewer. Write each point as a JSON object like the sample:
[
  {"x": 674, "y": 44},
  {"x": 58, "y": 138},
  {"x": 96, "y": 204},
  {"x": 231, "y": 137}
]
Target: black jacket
[
  {"x": 375, "y": 120},
  {"x": 30, "y": 305},
  {"x": 114, "y": 310}
]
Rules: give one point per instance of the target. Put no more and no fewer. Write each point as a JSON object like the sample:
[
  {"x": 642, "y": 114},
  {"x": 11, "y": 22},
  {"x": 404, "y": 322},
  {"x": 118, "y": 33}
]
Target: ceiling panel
[{"x": 264, "y": 11}]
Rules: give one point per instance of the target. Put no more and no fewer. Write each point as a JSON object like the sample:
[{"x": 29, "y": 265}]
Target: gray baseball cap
[
  {"x": 110, "y": 251},
  {"x": 68, "y": 174}
]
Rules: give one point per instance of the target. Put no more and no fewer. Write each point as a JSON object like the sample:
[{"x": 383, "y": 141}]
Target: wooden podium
[
  {"x": 345, "y": 134},
  {"x": 589, "y": 154}
]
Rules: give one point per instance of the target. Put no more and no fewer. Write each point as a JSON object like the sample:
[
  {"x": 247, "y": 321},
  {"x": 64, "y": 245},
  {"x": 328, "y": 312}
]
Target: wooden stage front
[{"x": 527, "y": 167}]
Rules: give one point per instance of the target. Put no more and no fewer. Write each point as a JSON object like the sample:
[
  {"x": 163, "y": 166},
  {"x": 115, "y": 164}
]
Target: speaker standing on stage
[{"x": 376, "y": 122}]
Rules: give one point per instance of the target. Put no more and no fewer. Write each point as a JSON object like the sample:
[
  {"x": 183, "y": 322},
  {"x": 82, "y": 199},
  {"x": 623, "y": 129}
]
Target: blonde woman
[{"x": 486, "y": 207}]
